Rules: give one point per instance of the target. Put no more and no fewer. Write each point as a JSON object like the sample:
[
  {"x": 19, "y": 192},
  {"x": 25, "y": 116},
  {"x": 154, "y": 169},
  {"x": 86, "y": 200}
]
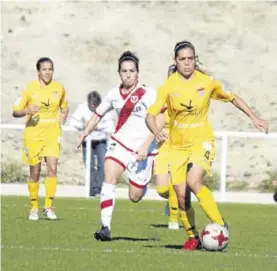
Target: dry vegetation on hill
[{"x": 236, "y": 41}]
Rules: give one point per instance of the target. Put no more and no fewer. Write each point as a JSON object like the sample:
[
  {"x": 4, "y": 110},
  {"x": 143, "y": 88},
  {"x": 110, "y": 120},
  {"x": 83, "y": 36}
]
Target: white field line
[
  {"x": 137, "y": 252},
  {"x": 122, "y": 193},
  {"x": 123, "y": 210}
]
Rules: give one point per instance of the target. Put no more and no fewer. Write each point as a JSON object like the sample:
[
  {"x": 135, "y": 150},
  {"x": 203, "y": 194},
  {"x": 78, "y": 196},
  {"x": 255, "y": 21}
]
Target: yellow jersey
[
  {"x": 187, "y": 104},
  {"x": 50, "y": 98}
]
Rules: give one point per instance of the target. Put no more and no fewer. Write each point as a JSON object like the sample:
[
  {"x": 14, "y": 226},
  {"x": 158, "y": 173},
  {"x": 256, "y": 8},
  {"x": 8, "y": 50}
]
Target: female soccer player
[
  {"x": 40, "y": 102},
  {"x": 187, "y": 94},
  {"x": 163, "y": 184},
  {"x": 131, "y": 147}
]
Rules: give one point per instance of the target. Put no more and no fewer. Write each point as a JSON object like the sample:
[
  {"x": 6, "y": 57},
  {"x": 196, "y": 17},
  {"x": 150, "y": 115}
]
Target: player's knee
[
  {"x": 196, "y": 187},
  {"x": 52, "y": 171},
  {"x": 111, "y": 177},
  {"x": 34, "y": 178},
  {"x": 34, "y": 174},
  {"x": 181, "y": 202},
  {"x": 162, "y": 191},
  {"x": 135, "y": 198},
  {"x": 110, "y": 180}
]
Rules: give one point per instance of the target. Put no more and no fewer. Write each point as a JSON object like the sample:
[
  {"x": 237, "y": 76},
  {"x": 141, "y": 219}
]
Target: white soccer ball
[{"x": 214, "y": 237}]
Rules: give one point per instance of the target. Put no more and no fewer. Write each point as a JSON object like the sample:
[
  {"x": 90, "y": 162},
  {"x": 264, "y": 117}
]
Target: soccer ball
[{"x": 214, "y": 237}]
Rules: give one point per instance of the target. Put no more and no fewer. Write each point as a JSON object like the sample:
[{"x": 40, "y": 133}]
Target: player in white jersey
[{"x": 132, "y": 147}]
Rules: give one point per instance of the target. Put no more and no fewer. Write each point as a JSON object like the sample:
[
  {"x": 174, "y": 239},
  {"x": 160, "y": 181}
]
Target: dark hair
[
  {"x": 42, "y": 60},
  {"x": 186, "y": 44},
  {"x": 128, "y": 56},
  {"x": 181, "y": 45},
  {"x": 171, "y": 69},
  {"x": 94, "y": 97}
]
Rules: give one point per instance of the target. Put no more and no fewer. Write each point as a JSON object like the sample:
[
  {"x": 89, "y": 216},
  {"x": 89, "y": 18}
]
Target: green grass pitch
[{"x": 141, "y": 238}]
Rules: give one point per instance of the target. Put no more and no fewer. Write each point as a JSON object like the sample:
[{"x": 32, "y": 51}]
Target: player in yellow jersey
[
  {"x": 41, "y": 102},
  {"x": 164, "y": 186},
  {"x": 187, "y": 95}
]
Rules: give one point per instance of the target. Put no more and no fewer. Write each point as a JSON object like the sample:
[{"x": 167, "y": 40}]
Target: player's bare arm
[
  {"x": 260, "y": 124},
  {"x": 64, "y": 114},
  {"x": 31, "y": 109},
  {"x": 151, "y": 123},
  {"x": 143, "y": 150},
  {"x": 89, "y": 127}
]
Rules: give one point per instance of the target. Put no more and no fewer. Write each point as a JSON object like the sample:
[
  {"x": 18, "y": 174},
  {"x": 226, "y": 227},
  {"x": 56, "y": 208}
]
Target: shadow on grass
[
  {"x": 161, "y": 226},
  {"x": 167, "y": 246},
  {"x": 133, "y": 239},
  {"x": 180, "y": 247}
]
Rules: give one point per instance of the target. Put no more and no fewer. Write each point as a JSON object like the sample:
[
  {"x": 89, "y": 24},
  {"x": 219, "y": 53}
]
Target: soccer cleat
[
  {"x": 225, "y": 225},
  {"x": 103, "y": 234},
  {"x": 172, "y": 225},
  {"x": 33, "y": 215},
  {"x": 49, "y": 213},
  {"x": 166, "y": 209},
  {"x": 193, "y": 243}
]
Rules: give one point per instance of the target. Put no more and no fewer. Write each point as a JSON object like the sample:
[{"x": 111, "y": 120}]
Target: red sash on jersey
[{"x": 128, "y": 107}]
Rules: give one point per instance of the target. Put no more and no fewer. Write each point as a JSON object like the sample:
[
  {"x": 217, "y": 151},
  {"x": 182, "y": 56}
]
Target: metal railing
[{"x": 224, "y": 135}]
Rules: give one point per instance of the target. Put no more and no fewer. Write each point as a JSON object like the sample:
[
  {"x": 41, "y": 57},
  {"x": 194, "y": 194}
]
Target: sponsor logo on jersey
[
  {"x": 188, "y": 107},
  {"x": 46, "y": 104}
]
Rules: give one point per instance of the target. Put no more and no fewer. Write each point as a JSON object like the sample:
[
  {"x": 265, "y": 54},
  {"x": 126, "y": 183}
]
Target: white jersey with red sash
[{"x": 131, "y": 130}]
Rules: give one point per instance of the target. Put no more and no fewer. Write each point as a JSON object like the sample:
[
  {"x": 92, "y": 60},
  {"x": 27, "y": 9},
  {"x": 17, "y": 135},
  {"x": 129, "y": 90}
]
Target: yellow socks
[
  {"x": 173, "y": 204},
  {"x": 162, "y": 191},
  {"x": 209, "y": 206},
  {"x": 189, "y": 227},
  {"x": 33, "y": 192},
  {"x": 50, "y": 190}
]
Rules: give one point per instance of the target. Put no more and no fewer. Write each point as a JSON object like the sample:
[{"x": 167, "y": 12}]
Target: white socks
[{"x": 107, "y": 201}]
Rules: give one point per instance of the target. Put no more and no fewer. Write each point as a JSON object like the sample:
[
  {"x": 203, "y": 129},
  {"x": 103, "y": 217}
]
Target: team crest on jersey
[
  {"x": 55, "y": 93},
  {"x": 201, "y": 92},
  {"x": 134, "y": 99}
]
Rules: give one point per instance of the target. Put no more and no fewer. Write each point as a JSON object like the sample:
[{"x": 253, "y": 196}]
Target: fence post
[
  {"x": 223, "y": 167},
  {"x": 88, "y": 163}
]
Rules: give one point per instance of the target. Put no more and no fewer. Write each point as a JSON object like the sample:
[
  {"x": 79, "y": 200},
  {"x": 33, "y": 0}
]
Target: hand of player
[
  {"x": 63, "y": 118},
  {"x": 261, "y": 124},
  {"x": 31, "y": 109},
  {"x": 141, "y": 153},
  {"x": 82, "y": 139},
  {"x": 161, "y": 136}
]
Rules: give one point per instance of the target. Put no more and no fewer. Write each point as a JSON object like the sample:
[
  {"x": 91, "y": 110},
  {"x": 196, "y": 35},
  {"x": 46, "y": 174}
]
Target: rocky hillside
[{"x": 236, "y": 41}]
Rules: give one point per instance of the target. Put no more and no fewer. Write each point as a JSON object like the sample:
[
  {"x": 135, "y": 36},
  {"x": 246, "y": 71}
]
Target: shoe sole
[
  {"x": 33, "y": 219},
  {"x": 50, "y": 218},
  {"x": 173, "y": 228},
  {"x": 101, "y": 237}
]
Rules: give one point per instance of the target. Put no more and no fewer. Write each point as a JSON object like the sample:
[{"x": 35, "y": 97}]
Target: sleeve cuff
[{"x": 99, "y": 115}]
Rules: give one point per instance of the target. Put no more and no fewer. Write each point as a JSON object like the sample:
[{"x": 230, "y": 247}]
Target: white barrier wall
[{"x": 223, "y": 135}]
